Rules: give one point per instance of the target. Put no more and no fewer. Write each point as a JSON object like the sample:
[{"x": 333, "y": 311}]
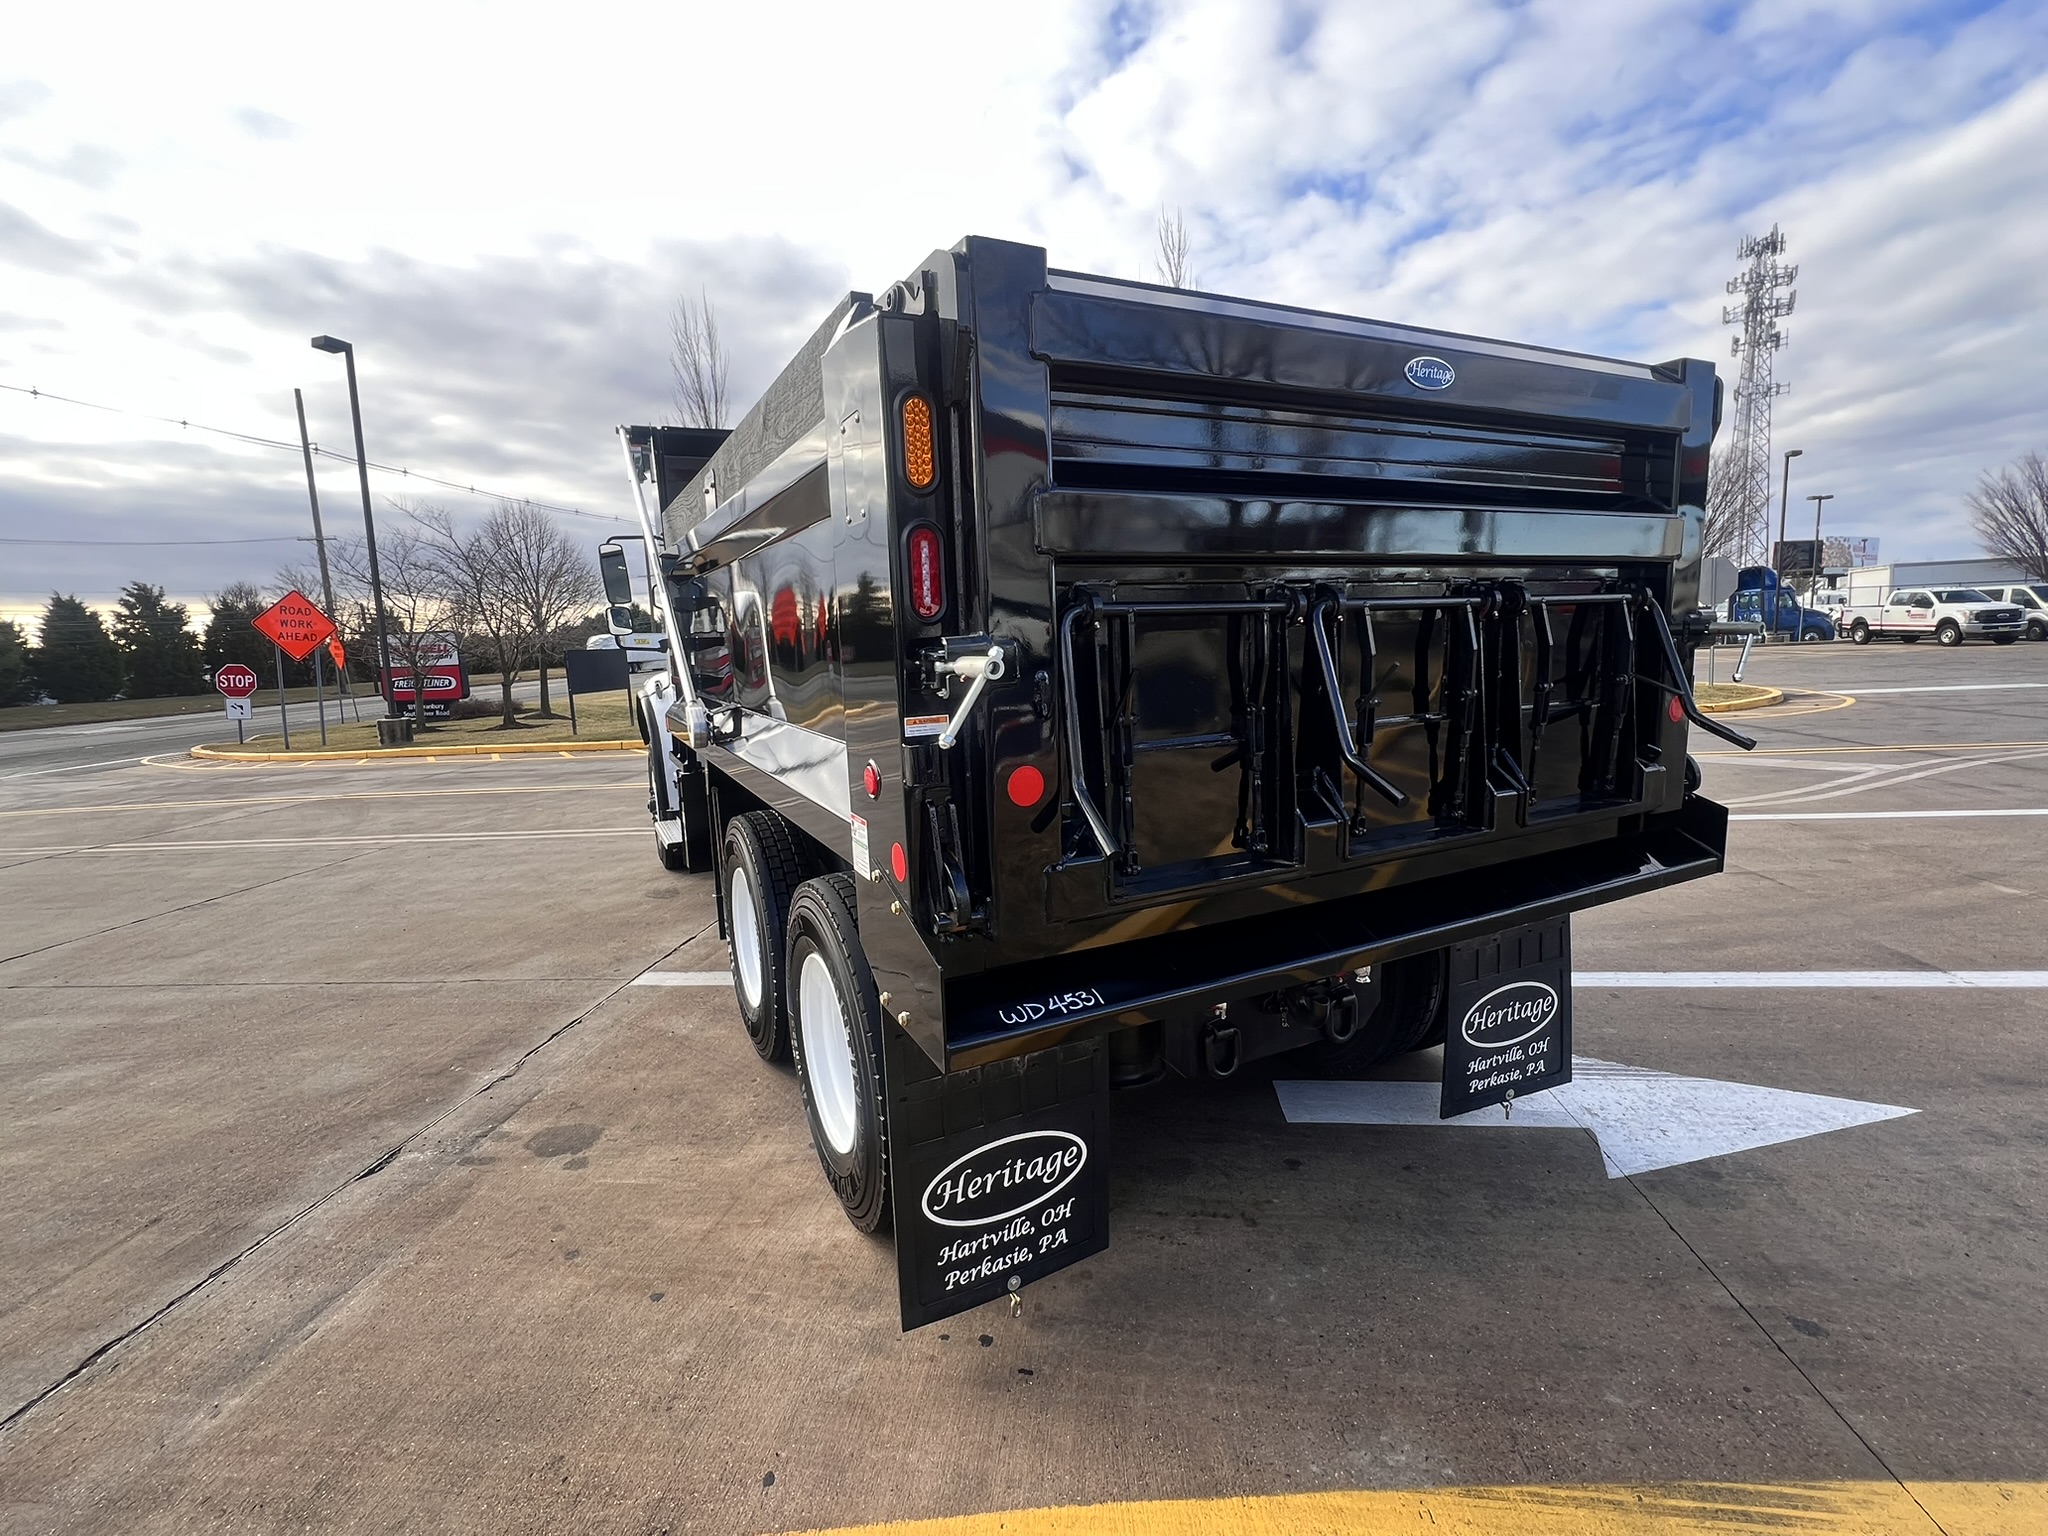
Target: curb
[
  {"x": 507, "y": 749},
  {"x": 1765, "y": 697}
]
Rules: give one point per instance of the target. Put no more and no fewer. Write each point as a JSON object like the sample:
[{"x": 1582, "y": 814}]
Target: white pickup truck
[
  {"x": 2032, "y": 601},
  {"x": 1950, "y": 614}
]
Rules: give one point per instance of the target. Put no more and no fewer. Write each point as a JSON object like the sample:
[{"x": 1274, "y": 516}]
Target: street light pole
[
  {"x": 1785, "y": 493},
  {"x": 1814, "y": 584},
  {"x": 355, "y": 411}
]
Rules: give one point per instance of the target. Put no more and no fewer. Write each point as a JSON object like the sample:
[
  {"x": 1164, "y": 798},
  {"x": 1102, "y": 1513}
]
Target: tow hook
[{"x": 1220, "y": 1049}]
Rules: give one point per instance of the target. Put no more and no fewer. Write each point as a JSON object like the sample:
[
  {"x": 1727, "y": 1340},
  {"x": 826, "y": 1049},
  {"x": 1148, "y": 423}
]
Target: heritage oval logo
[
  {"x": 1509, "y": 1015},
  {"x": 1004, "y": 1178},
  {"x": 1430, "y": 373}
]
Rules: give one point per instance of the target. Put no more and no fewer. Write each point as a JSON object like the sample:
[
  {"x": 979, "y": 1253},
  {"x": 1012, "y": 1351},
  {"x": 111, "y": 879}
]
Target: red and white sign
[
  {"x": 295, "y": 625},
  {"x": 235, "y": 680}
]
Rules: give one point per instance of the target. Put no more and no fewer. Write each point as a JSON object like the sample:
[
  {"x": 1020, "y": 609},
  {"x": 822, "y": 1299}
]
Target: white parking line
[
  {"x": 683, "y": 979},
  {"x": 37, "y": 773},
  {"x": 1943, "y": 688},
  {"x": 179, "y": 846},
  {"x": 2002, "y": 980},
  {"x": 1879, "y": 815}
]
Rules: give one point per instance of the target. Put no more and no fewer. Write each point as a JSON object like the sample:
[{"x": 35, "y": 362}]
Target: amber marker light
[{"x": 920, "y": 464}]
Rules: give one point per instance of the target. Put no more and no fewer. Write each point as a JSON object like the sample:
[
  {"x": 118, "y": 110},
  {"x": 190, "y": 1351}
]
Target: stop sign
[{"x": 235, "y": 680}]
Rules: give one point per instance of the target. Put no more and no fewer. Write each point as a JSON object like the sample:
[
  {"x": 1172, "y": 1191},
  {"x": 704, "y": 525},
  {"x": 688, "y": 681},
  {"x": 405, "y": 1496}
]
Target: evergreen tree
[
  {"x": 161, "y": 652},
  {"x": 231, "y": 633},
  {"x": 16, "y": 685},
  {"x": 75, "y": 661}
]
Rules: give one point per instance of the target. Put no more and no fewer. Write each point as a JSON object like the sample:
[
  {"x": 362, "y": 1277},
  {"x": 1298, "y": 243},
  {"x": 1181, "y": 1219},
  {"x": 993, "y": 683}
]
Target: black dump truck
[{"x": 1076, "y": 681}]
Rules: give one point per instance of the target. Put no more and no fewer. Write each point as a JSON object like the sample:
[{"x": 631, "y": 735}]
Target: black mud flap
[
  {"x": 1509, "y": 1026},
  {"x": 999, "y": 1175}
]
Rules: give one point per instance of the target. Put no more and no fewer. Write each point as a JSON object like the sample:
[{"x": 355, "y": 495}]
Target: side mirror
[
  {"x": 619, "y": 619},
  {"x": 618, "y": 580}
]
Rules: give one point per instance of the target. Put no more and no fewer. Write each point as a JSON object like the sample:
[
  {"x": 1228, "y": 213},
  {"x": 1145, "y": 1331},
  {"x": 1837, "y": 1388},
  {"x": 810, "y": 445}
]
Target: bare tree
[
  {"x": 1175, "y": 264},
  {"x": 483, "y": 596},
  {"x": 698, "y": 363},
  {"x": 552, "y": 577},
  {"x": 416, "y": 597},
  {"x": 1727, "y": 517},
  {"x": 2009, "y": 510}
]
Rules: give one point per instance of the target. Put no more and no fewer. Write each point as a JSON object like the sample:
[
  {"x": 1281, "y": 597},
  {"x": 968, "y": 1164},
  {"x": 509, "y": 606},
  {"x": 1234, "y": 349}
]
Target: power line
[
  {"x": 157, "y": 543},
  {"x": 257, "y": 441}
]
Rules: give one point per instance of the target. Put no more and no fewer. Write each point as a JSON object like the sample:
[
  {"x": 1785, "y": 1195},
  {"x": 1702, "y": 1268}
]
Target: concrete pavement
[{"x": 443, "y": 1226}]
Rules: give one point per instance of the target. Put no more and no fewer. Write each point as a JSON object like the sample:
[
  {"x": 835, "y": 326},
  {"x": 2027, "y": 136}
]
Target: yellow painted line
[
  {"x": 431, "y": 754},
  {"x": 1614, "y": 1509}
]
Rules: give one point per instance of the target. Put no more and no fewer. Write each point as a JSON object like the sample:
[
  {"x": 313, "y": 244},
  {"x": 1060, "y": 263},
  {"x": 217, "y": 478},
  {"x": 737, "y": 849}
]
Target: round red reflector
[
  {"x": 871, "y": 781},
  {"x": 1026, "y": 786},
  {"x": 899, "y": 862},
  {"x": 927, "y": 575},
  {"x": 1675, "y": 710}
]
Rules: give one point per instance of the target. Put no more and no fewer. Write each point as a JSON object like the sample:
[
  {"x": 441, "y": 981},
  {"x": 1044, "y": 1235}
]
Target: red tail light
[{"x": 925, "y": 557}]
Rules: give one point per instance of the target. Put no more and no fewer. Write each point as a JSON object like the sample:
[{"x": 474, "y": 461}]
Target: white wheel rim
[
  {"x": 828, "y": 1054},
  {"x": 746, "y": 939}
]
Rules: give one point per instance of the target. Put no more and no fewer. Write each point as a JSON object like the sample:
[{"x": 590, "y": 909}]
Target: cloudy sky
[{"x": 498, "y": 205}]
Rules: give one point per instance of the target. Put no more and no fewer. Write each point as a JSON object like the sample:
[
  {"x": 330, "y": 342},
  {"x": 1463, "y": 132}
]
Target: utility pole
[
  {"x": 1763, "y": 306},
  {"x": 320, "y": 545}
]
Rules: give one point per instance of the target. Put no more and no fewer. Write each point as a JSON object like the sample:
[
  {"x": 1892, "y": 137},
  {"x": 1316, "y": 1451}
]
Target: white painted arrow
[{"x": 1643, "y": 1120}]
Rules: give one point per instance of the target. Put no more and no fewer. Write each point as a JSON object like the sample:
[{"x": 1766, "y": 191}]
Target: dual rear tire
[{"x": 806, "y": 994}]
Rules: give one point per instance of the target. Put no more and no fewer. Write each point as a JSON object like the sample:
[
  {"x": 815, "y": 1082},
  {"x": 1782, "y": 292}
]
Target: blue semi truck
[{"x": 1761, "y": 597}]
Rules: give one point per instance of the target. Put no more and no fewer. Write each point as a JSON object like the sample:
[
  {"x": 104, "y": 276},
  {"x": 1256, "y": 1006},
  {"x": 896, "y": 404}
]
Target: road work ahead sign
[{"x": 295, "y": 625}]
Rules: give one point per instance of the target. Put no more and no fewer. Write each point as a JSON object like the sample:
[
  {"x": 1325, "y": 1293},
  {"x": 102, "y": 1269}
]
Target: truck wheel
[
  {"x": 2037, "y": 629},
  {"x": 1809, "y": 636},
  {"x": 762, "y": 871},
  {"x": 1948, "y": 633},
  {"x": 836, "y": 1035},
  {"x": 1860, "y": 632},
  {"x": 1411, "y": 997},
  {"x": 1909, "y": 639}
]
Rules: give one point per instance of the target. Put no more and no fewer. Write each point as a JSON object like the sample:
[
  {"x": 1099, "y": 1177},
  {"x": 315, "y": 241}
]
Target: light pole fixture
[
  {"x": 355, "y": 411},
  {"x": 1785, "y": 492},
  {"x": 1818, "y": 502}
]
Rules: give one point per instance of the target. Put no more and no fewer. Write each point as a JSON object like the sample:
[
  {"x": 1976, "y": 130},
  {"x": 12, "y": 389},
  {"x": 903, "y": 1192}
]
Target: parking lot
[{"x": 348, "y": 1180}]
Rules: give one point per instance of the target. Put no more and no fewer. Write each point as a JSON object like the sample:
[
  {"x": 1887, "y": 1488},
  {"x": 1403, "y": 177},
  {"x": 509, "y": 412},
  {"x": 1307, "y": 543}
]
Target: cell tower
[{"x": 1767, "y": 297}]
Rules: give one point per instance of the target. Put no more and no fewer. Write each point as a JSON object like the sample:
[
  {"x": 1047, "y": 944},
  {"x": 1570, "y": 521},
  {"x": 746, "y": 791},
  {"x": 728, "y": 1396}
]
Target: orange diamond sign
[{"x": 294, "y": 625}]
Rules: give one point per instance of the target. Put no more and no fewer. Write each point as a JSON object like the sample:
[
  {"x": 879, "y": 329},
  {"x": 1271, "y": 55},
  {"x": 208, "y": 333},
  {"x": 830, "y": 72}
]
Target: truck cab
[
  {"x": 2031, "y": 599},
  {"x": 1780, "y": 613}
]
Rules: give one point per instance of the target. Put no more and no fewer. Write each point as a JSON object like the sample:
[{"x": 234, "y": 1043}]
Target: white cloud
[{"x": 500, "y": 215}]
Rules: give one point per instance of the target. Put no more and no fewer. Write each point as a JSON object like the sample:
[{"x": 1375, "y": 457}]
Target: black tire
[
  {"x": 2004, "y": 639},
  {"x": 2037, "y": 629},
  {"x": 761, "y": 871},
  {"x": 1809, "y": 637},
  {"x": 1948, "y": 632},
  {"x": 1407, "y": 1018},
  {"x": 1860, "y": 632},
  {"x": 1694, "y": 779},
  {"x": 1909, "y": 639},
  {"x": 836, "y": 1037}
]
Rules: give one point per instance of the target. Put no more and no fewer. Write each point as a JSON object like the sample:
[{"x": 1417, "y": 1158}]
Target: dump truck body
[{"x": 1168, "y": 681}]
